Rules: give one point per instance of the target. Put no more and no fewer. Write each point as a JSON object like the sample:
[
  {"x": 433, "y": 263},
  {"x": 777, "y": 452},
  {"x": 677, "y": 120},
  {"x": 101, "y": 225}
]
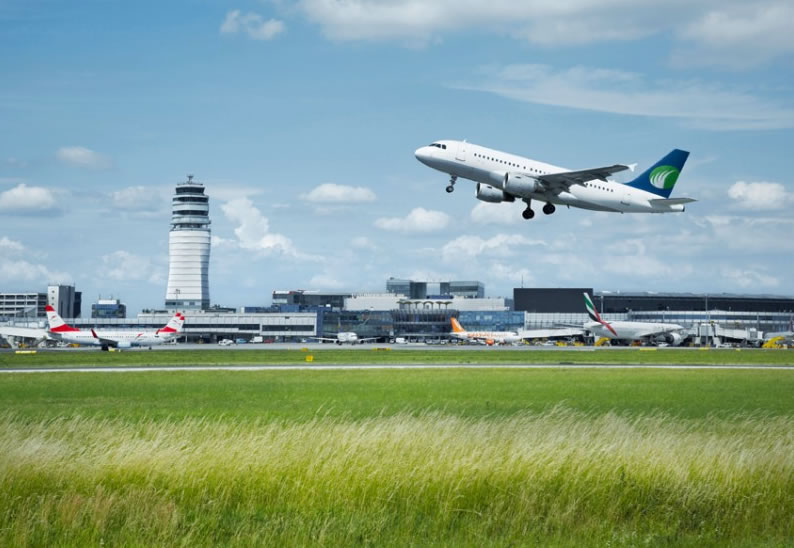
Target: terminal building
[{"x": 28, "y": 305}]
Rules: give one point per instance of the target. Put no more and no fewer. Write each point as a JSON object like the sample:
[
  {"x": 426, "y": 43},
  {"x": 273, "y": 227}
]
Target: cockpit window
[{"x": 438, "y": 145}]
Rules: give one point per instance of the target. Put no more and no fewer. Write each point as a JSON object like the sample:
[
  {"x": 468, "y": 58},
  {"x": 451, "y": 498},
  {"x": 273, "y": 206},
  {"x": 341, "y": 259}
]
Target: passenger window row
[{"x": 508, "y": 163}]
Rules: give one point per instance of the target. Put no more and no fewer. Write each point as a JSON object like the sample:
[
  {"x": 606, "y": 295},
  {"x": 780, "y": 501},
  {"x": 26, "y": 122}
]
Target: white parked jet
[
  {"x": 126, "y": 338},
  {"x": 503, "y": 177},
  {"x": 629, "y": 331},
  {"x": 345, "y": 337},
  {"x": 484, "y": 337}
]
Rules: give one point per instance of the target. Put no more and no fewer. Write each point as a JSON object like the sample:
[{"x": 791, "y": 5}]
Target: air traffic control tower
[{"x": 189, "y": 248}]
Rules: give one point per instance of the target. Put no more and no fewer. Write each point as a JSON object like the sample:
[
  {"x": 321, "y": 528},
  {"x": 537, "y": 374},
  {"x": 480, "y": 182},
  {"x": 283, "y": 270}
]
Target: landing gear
[
  {"x": 452, "y": 180},
  {"x": 528, "y": 213},
  {"x": 548, "y": 209}
]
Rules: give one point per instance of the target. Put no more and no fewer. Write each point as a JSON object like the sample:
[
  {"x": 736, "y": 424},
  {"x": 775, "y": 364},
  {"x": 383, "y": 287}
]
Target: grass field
[
  {"x": 215, "y": 356},
  {"x": 418, "y": 457}
]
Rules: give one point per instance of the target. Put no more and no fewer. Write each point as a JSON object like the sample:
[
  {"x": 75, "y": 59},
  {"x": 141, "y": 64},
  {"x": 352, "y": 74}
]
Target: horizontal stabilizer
[{"x": 671, "y": 201}]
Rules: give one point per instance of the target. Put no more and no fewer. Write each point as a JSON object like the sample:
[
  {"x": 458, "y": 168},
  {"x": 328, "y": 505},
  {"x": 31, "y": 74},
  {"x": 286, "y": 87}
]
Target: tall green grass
[{"x": 557, "y": 477}]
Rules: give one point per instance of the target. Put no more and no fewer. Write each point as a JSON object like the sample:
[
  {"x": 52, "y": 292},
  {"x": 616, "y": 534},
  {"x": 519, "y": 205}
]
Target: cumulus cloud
[
  {"x": 760, "y": 195},
  {"x": 362, "y": 242},
  {"x": 124, "y": 266},
  {"x": 15, "y": 266},
  {"x": 485, "y": 213},
  {"x": 418, "y": 220},
  {"x": 83, "y": 157},
  {"x": 27, "y": 200},
  {"x": 747, "y": 277},
  {"x": 511, "y": 274},
  {"x": 138, "y": 198},
  {"x": 253, "y": 230},
  {"x": 708, "y": 106},
  {"x": 464, "y": 248},
  {"x": 333, "y": 193},
  {"x": 252, "y": 24}
]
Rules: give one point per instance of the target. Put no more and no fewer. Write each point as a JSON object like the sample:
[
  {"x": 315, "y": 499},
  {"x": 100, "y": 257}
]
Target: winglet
[
  {"x": 94, "y": 333},
  {"x": 632, "y": 167}
]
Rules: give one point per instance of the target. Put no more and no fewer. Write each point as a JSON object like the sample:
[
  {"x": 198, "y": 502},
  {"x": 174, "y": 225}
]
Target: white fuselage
[
  {"x": 632, "y": 330},
  {"x": 348, "y": 337},
  {"x": 489, "y": 167},
  {"x": 122, "y": 338},
  {"x": 488, "y": 337}
]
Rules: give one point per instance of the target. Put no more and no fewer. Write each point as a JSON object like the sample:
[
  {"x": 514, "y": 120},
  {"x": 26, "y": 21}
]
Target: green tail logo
[{"x": 664, "y": 177}]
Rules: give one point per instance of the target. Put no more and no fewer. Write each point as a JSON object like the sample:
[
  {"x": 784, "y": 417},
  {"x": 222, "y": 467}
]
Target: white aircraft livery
[
  {"x": 126, "y": 338},
  {"x": 346, "y": 337},
  {"x": 629, "y": 331},
  {"x": 503, "y": 177},
  {"x": 484, "y": 337}
]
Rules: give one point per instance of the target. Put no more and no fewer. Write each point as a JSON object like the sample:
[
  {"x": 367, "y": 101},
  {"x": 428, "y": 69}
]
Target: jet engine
[
  {"x": 124, "y": 344},
  {"x": 520, "y": 185},
  {"x": 675, "y": 338},
  {"x": 487, "y": 193}
]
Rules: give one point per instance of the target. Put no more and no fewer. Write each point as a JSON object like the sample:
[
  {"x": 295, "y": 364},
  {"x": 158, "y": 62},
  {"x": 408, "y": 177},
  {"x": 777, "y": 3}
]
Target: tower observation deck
[{"x": 189, "y": 248}]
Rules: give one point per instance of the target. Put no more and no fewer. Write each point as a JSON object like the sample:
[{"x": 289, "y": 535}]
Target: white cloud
[
  {"x": 722, "y": 32},
  {"x": 125, "y": 266},
  {"x": 77, "y": 156},
  {"x": 738, "y": 35},
  {"x": 703, "y": 105},
  {"x": 253, "y": 230},
  {"x": 418, "y": 220},
  {"x": 486, "y": 213},
  {"x": 511, "y": 274},
  {"x": 760, "y": 195},
  {"x": 325, "y": 281},
  {"x": 138, "y": 198},
  {"x": 749, "y": 278},
  {"x": 253, "y": 24},
  {"x": 7, "y": 244},
  {"x": 15, "y": 269},
  {"x": 465, "y": 248},
  {"x": 362, "y": 242},
  {"x": 333, "y": 193},
  {"x": 24, "y": 199}
]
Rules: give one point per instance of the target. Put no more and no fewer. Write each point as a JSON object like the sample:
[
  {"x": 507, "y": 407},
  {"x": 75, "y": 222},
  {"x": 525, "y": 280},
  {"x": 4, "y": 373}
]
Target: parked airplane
[
  {"x": 345, "y": 337},
  {"x": 116, "y": 338},
  {"x": 630, "y": 331},
  {"x": 503, "y": 177},
  {"x": 484, "y": 337}
]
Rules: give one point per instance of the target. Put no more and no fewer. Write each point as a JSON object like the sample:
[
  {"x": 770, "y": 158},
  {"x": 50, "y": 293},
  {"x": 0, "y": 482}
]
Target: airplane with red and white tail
[{"x": 118, "y": 338}]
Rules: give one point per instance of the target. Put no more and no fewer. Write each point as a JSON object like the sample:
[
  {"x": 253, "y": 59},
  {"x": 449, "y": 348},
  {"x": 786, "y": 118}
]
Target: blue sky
[{"x": 302, "y": 118}]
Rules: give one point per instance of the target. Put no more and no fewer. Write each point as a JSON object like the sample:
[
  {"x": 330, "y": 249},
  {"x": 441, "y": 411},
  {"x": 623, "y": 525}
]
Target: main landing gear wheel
[
  {"x": 548, "y": 209},
  {"x": 528, "y": 213},
  {"x": 452, "y": 181}
]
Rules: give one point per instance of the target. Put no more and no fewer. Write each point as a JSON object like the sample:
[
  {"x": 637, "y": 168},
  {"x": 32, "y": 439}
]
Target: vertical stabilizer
[{"x": 661, "y": 177}]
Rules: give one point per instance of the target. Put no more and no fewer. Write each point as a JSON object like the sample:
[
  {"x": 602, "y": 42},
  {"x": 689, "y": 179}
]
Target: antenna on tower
[{"x": 190, "y": 178}]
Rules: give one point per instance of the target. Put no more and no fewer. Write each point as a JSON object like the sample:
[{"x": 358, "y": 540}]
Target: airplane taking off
[
  {"x": 629, "y": 331},
  {"x": 503, "y": 177},
  {"x": 484, "y": 337},
  {"x": 345, "y": 337},
  {"x": 127, "y": 338}
]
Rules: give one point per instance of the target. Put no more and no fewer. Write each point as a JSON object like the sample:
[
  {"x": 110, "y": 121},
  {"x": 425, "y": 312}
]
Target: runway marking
[{"x": 387, "y": 366}]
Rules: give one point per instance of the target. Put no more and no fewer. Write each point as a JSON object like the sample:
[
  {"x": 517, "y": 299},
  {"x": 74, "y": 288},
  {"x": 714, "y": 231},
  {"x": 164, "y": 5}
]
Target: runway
[{"x": 369, "y": 367}]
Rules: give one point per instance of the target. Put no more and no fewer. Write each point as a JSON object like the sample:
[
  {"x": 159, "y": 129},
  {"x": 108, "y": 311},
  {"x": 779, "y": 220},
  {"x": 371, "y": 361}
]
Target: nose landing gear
[{"x": 452, "y": 180}]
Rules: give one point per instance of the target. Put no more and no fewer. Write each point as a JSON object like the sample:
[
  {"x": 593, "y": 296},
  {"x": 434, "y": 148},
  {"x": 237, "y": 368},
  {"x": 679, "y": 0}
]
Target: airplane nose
[{"x": 422, "y": 154}]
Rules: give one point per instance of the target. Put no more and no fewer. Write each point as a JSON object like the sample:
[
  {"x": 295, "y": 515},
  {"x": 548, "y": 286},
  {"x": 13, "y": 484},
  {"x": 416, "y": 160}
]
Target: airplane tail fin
[
  {"x": 56, "y": 323},
  {"x": 174, "y": 325},
  {"x": 456, "y": 327},
  {"x": 661, "y": 177},
  {"x": 594, "y": 315}
]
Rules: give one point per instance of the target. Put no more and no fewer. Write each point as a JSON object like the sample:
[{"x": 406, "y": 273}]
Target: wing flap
[{"x": 565, "y": 179}]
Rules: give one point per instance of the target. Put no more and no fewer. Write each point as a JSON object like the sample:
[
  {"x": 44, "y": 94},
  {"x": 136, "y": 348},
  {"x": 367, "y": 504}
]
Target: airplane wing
[
  {"x": 323, "y": 339},
  {"x": 104, "y": 340},
  {"x": 562, "y": 181}
]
